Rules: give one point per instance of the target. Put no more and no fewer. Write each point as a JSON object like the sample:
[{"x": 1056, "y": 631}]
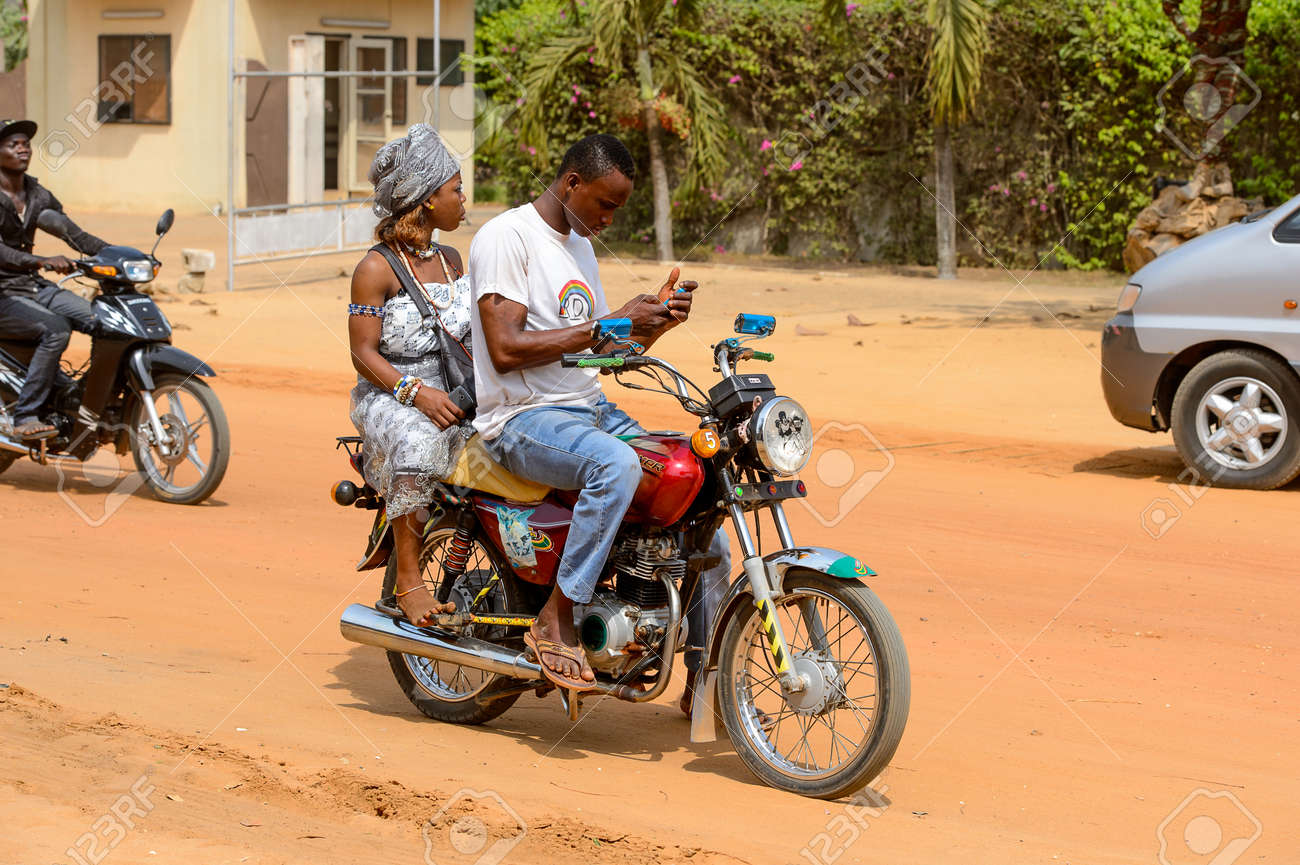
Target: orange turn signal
[
  {"x": 705, "y": 442},
  {"x": 105, "y": 270},
  {"x": 1289, "y": 304}
]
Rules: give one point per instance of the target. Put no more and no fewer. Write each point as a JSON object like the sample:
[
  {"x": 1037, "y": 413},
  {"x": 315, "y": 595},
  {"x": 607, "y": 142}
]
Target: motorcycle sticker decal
[
  {"x": 651, "y": 465},
  {"x": 516, "y": 536},
  {"x": 540, "y": 540},
  {"x": 848, "y": 566}
]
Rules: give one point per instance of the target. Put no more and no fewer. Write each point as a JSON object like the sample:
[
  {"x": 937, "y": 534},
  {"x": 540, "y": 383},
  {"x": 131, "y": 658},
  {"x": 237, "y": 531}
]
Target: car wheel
[{"x": 1236, "y": 420}]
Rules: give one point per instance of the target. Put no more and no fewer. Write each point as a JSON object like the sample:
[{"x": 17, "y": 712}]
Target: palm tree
[
  {"x": 637, "y": 35},
  {"x": 957, "y": 45}
]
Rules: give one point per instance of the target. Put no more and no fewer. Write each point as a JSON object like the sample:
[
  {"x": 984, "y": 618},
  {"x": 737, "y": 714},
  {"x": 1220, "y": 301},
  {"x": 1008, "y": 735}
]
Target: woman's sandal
[{"x": 542, "y": 646}]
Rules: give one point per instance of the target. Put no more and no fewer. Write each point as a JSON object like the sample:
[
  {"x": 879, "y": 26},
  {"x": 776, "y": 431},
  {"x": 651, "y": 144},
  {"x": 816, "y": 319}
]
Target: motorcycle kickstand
[{"x": 571, "y": 701}]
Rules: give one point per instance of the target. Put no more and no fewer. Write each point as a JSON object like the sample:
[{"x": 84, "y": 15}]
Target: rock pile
[{"x": 1180, "y": 213}]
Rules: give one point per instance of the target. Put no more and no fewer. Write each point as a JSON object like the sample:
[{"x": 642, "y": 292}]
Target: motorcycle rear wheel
[
  {"x": 441, "y": 690},
  {"x": 853, "y": 714}
]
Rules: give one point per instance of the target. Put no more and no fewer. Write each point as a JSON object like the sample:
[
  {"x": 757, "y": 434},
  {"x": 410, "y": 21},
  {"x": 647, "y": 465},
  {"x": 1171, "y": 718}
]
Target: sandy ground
[{"x": 1084, "y": 678}]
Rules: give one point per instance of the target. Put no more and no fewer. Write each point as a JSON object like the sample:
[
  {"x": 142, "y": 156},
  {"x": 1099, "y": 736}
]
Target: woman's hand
[{"x": 438, "y": 407}]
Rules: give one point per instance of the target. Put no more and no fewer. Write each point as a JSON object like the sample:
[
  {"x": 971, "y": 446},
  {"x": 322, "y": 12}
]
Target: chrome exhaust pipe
[
  {"x": 368, "y": 626},
  {"x": 12, "y": 445}
]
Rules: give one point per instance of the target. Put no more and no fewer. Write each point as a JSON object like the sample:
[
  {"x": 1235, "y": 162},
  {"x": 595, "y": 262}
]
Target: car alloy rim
[{"x": 1241, "y": 423}]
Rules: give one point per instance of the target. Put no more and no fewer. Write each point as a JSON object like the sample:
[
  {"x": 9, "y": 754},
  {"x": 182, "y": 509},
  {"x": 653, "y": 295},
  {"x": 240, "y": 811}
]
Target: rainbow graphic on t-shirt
[{"x": 576, "y": 302}]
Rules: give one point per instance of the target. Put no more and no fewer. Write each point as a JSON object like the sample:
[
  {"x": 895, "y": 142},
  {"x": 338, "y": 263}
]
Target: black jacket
[{"x": 18, "y": 267}]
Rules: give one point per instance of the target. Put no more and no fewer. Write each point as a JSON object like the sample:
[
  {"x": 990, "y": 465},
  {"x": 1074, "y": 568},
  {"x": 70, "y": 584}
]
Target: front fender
[
  {"x": 831, "y": 562},
  {"x": 822, "y": 559},
  {"x": 145, "y": 362}
]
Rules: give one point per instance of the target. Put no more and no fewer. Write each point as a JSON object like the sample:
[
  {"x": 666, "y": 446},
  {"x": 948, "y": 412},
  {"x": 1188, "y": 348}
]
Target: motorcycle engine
[{"x": 617, "y": 628}]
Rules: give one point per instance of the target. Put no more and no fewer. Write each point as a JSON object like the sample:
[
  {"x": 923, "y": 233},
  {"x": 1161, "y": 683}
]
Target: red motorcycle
[{"x": 804, "y": 666}]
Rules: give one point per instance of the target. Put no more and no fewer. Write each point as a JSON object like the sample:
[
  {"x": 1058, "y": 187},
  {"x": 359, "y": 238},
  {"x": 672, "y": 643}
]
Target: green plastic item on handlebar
[
  {"x": 764, "y": 355},
  {"x": 600, "y": 361}
]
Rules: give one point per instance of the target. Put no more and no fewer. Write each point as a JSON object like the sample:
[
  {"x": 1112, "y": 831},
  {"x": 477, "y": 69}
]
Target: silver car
[{"x": 1206, "y": 343}]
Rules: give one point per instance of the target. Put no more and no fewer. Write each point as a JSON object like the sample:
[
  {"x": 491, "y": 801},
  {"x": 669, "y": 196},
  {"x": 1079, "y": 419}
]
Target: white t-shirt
[{"x": 518, "y": 256}]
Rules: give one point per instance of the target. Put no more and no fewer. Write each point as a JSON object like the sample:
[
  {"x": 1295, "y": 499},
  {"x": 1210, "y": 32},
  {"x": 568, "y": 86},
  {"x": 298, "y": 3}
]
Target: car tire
[{"x": 1213, "y": 404}]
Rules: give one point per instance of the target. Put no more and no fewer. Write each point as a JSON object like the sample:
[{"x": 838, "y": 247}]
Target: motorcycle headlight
[
  {"x": 782, "y": 435},
  {"x": 138, "y": 271}
]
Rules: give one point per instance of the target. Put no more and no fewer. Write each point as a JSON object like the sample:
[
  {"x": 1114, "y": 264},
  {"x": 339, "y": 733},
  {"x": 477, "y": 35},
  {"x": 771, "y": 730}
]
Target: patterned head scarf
[{"x": 408, "y": 170}]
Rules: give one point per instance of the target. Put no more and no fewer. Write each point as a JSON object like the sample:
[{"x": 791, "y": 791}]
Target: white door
[{"x": 370, "y": 107}]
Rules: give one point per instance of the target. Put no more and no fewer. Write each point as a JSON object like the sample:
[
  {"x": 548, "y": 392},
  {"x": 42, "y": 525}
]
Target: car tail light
[{"x": 1128, "y": 297}]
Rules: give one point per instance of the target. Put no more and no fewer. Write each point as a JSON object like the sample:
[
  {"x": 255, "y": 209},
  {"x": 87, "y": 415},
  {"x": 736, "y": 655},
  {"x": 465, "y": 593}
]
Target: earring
[{"x": 430, "y": 207}]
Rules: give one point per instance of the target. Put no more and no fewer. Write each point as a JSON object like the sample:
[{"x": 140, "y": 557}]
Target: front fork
[{"x": 762, "y": 585}]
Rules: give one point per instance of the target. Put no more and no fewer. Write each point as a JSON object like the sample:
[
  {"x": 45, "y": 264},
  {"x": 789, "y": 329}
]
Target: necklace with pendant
[{"x": 423, "y": 254}]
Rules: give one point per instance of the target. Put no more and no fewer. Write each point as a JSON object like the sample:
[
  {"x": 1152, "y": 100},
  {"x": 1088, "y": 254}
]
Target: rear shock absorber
[{"x": 456, "y": 558}]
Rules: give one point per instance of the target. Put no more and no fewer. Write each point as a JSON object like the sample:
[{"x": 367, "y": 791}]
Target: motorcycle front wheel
[
  {"x": 442, "y": 690},
  {"x": 841, "y": 731},
  {"x": 188, "y": 465}
]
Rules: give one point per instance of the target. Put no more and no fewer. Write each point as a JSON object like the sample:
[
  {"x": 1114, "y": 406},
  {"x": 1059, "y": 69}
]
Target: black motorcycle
[{"x": 136, "y": 392}]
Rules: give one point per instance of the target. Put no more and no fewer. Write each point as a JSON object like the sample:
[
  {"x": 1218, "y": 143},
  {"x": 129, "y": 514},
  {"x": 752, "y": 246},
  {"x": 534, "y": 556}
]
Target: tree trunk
[
  {"x": 658, "y": 167},
  {"x": 945, "y": 219}
]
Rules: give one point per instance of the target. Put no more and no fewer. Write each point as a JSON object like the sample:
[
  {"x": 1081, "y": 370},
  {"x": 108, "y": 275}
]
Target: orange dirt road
[{"x": 1091, "y": 641}]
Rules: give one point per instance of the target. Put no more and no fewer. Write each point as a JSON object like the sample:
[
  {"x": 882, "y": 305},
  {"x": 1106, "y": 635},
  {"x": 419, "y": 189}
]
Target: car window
[{"x": 1289, "y": 229}]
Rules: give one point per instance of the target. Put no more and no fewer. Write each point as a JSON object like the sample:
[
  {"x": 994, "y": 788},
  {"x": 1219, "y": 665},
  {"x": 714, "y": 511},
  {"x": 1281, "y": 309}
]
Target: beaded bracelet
[
  {"x": 365, "y": 309},
  {"x": 407, "y": 387},
  {"x": 415, "y": 389},
  {"x": 401, "y": 382}
]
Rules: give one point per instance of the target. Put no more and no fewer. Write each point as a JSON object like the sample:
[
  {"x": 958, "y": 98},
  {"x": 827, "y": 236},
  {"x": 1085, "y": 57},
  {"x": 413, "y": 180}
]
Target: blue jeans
[{"x": 575, "y": 448}]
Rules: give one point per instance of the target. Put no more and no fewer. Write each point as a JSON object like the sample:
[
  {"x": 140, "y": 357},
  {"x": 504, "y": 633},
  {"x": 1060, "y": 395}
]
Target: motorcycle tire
[
  {"x": 157, "y": 477},
  {"x": 756, "y": 731},
  {"x": 423, "y": 680}
]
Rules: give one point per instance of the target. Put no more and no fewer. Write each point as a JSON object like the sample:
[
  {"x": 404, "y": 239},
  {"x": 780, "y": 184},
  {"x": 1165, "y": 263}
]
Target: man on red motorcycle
[{"x": 538, "y": 295}]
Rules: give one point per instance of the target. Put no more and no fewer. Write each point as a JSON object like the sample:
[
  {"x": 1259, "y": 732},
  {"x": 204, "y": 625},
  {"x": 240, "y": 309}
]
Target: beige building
[{"x": 131, "y": 97}]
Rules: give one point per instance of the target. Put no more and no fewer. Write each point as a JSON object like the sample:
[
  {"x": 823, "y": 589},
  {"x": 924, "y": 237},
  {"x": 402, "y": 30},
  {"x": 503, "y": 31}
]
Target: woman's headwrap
[{"x": 408, "y": 170}]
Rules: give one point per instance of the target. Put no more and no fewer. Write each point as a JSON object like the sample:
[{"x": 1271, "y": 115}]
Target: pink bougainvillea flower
[
  {"x": 532, "y": 151},
  {"x": 1051, "y": 187},
  {"x": 766, "y": 145},
  {"x": 1006, "y": 191},
  {"x": 848, "y": 9},
  {"x": 797, "y": 165},
  {"x": 573, "y": 99},
  {"x": 735, "y": 79},
  {"x": 591, "y": 114},
  {"x": 997, "y": 149},
  {"x": 993, "y": 188},
  {"x": 1043, "y": 208},
  {"x": 719, "y": 249},
  {"x": 1033, "y": 201},
  {"x": 1020, "y": 175},
  {"x": 765, "y": 171}
]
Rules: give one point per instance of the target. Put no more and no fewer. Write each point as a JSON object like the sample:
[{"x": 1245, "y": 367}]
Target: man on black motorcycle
[
  {"x": 32, "y": 307},
  {"x": 537, "y": 295}
]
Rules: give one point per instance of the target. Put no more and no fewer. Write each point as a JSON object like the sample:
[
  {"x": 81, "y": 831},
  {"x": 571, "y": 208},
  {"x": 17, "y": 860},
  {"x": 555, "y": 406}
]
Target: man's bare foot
[
  {"x": 419, "y": 604},
  {"x": 688, "y": 695},
  {"x": 554, "y": 625}
]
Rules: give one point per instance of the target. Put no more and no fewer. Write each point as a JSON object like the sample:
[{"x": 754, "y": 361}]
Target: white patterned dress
[{"x": 405, "y": 452}]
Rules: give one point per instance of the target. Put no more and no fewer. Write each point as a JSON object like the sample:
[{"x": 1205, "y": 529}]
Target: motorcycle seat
[{"x": 477, "y": 470}]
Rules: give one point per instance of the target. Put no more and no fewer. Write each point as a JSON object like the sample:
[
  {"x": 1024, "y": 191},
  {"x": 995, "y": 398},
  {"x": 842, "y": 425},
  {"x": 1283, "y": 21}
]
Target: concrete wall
[{"x": 124, "y": 166}]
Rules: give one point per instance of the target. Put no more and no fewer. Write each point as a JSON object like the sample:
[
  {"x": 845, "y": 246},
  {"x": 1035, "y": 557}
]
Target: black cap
[{"x": 13, "y": 127}]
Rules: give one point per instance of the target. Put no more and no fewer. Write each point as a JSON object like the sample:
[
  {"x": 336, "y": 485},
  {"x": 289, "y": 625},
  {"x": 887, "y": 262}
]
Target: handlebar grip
[
  {"x": 764, "y": 355},
  {"x": 589, "y": 361}
]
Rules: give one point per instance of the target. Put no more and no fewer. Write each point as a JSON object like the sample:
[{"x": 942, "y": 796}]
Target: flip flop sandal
[
  {"x": 553, "y": 648},
  {"x": 34, "y": 430}
]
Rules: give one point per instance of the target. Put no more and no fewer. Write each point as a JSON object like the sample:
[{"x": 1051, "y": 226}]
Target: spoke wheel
[
  {"x": 1234, "y": 418},
  {"x": 187, "y": 464},
  {"x": 838, "y": 733},
  {"x": 442, "y": 690}
]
